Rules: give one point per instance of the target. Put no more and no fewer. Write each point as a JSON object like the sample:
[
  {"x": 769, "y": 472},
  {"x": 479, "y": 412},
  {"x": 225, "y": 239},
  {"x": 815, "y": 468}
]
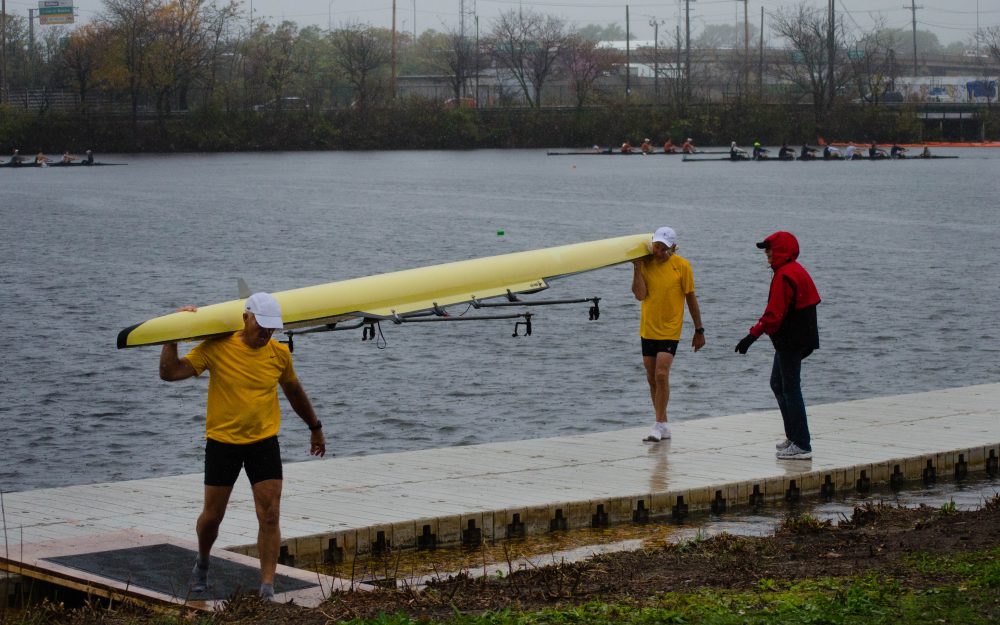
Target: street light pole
[{"x": 329, "y": 16}]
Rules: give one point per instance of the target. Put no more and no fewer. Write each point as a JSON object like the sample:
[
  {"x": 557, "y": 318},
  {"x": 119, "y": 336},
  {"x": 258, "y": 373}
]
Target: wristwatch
[
  {"x": 699, "y": 330},
  {"x": 318, "y": 426}
]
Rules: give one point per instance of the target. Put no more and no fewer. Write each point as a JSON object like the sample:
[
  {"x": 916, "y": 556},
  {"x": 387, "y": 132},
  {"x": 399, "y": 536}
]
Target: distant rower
[
  {"x": 737, "y": 153},
  {"x": 875, "y": 152}
]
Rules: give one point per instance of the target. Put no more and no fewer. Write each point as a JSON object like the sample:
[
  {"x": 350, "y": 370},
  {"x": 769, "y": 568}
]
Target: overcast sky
[{"x": 951, "y": 20}]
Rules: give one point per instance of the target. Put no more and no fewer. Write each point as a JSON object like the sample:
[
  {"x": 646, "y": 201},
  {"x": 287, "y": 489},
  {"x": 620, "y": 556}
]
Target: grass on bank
[{"x": 971, "y": 596}]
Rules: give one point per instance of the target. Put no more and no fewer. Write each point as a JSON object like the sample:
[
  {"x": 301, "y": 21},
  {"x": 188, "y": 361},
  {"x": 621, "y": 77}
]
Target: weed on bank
[{"x": 971, "y": 596}]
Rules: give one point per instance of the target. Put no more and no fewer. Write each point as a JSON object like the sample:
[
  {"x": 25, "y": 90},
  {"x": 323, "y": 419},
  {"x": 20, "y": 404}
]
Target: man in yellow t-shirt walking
[
  {"x": 663, "y": 282},
  {"x": 241, "y": 426}
]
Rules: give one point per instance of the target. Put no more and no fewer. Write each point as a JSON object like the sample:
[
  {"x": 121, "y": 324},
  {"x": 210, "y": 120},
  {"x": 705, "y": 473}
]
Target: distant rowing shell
[
  {"x": 9, "y": 165},
  {"x": 620, "y": 153},
  {"x": 819, "y": 159}
]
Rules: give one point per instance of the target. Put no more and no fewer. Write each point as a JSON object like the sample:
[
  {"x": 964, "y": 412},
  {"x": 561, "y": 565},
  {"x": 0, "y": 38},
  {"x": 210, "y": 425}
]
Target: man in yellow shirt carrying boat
[
  {"x": 241, "y": 426},
  {"x": 663, "y": 282}
]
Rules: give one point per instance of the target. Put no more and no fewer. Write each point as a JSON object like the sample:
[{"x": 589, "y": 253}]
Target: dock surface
[{"x": 339, "y": 507}]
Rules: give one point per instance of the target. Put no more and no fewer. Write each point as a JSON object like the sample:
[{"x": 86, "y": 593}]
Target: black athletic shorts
[
  {"x": 223, "y": 461},
  {"x": 652, "y": 347}
]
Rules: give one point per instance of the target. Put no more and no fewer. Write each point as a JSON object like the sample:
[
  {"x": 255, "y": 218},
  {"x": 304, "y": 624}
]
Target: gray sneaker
[
  {"x": 267, "y": 592},
  {"x": 783, "y": 444},
  {"x": 793, "y": 452},
  {"x": 199, "y": 579}
]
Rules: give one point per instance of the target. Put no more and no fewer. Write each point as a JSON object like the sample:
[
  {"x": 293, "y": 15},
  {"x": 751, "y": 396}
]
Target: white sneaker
[
  {"x": 793, "y": 452},
  {"x": 657, "y": 433},
  {"x": 783, "y": 444}
]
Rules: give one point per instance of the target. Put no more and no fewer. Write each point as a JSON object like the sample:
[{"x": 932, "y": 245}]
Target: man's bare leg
[
  {"x": 207, "y": 528},
  {"x": 658, "y": 377},
  {"x": 267, "y": 501}
]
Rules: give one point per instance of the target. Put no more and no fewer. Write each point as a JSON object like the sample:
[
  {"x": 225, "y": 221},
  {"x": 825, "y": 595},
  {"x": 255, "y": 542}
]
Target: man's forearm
[
  {"x": 695, "y": 310},
  {"x": 169, "y": 361},
  {"x": 302, "y": 406},
  {"x": 638, "y": 283}
]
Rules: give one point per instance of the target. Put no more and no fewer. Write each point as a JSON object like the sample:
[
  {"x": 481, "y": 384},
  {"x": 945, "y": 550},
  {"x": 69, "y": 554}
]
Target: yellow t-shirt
[
  {"x": 667, "y": 284},
  {"x": 242, "y": 387}
]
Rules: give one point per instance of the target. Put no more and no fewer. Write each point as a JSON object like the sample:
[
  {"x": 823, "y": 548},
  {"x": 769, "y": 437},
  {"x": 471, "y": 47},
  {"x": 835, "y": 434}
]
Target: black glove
[{"x": 745, "y": 343}]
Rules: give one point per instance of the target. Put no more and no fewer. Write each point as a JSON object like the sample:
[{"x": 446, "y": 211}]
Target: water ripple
[{"x": 908, "y": 295}]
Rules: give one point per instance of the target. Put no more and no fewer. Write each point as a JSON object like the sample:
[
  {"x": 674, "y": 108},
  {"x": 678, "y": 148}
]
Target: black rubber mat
[{"x": 166, "y": 569}]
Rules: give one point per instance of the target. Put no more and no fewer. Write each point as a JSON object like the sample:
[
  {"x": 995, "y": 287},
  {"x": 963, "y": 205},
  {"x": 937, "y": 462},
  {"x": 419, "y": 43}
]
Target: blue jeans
[{"x": 787, "y": 387}]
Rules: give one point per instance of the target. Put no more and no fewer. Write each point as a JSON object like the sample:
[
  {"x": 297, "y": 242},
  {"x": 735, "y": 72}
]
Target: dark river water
[{"x": 904, "y": 255}]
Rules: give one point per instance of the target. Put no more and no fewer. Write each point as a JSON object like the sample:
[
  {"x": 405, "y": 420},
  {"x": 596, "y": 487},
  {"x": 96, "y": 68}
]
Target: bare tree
[
  {"x": 807, "y": 63},
  {"x": 872, "y": 59},
  {"x": 218, "y": 22},
  {"x": 361, "y": 52},
  {"x": 270, "y": 62},
  {"x": 528, "y": 45},
  {"x": 584, "y": 62},
  {"x": 179, "y": 52},
  {"x": 132, "y": 22},
  {"x": 454, "y": 55},
  {"x": 990, "y": 39}
]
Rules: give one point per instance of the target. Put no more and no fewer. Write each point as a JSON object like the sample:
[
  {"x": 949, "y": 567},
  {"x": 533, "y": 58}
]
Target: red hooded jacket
[{"x": 790, "y": 316}]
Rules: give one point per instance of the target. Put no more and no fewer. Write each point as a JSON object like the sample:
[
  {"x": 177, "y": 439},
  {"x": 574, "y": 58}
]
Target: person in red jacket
[{"x": 790, "y": 320}]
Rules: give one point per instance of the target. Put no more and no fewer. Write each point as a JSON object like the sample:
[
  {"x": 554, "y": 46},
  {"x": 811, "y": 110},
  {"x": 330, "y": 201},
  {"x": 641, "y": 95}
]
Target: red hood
[{"x": 784, "y": 248}]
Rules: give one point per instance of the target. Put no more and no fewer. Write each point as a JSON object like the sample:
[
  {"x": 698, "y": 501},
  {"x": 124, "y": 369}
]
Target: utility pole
[
  {"x": 746, "y": 46},
  {"x": 687, "y": 51},
  {"x": 831, "y": 51},
  {"x": 31, "y": 33},
  {"x": 677, "y": 66},
  {"x": 913, "y": 9},
  {"x": 656, "y": 57},
  {"x": 476, "y": 99},
  {"x": 760, "y": 66},
  {"x": 628, "y": 57},
  {"x": 392, "y": 80},
  {"x": 3, "y": 51},
  {"x": 466, "y": 12}
]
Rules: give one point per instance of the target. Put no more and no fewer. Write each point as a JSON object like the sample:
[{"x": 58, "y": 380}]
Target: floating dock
[{"x": 337, "y": 508}]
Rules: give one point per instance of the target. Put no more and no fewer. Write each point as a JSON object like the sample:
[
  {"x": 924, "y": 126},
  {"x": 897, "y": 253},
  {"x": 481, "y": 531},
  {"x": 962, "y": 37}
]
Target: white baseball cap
[
  {"x": 666, "y": 236},
  {"x": 266, "y": 310}
]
